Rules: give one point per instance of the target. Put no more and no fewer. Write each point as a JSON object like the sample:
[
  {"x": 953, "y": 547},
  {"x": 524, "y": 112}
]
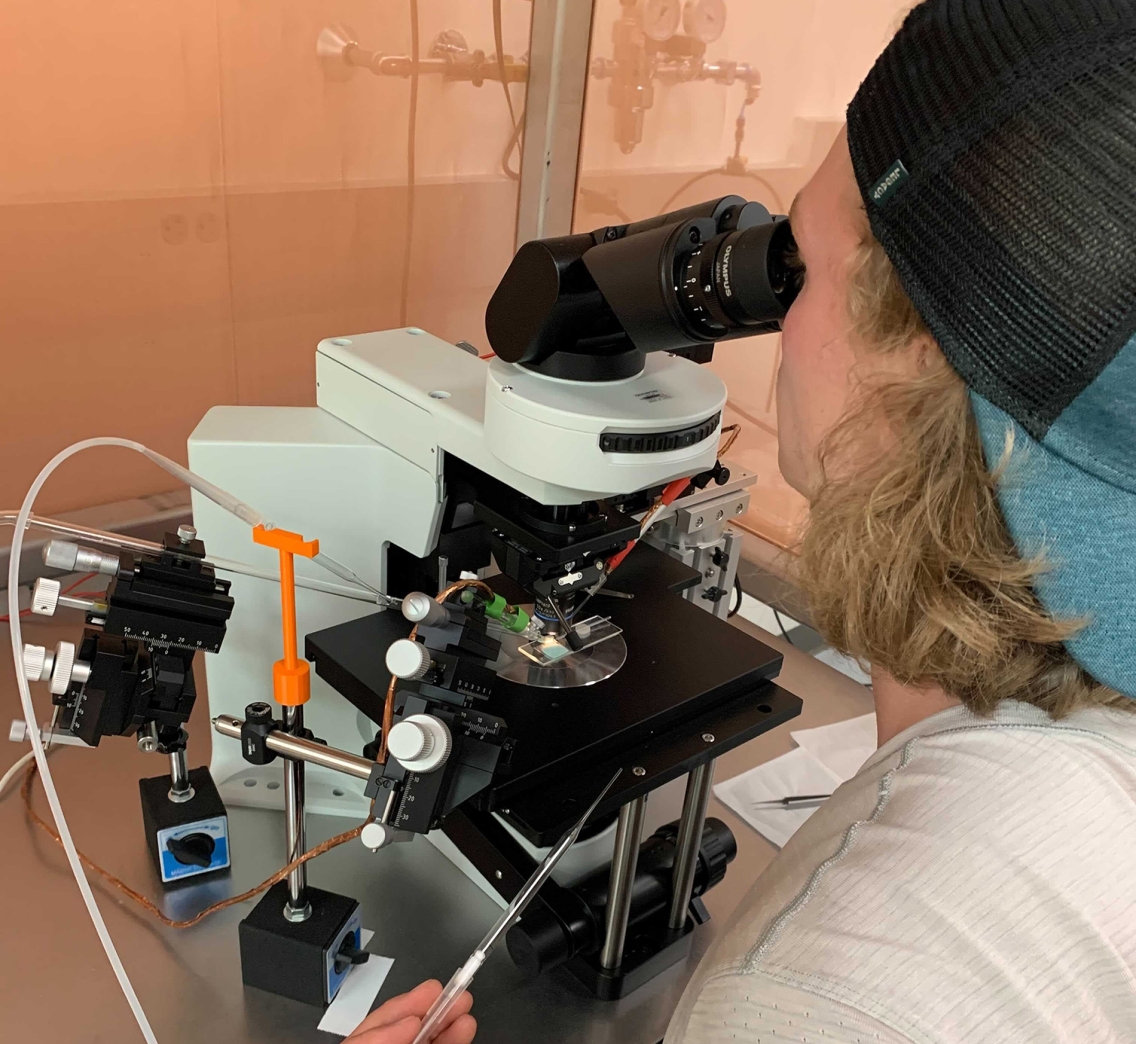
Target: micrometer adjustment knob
[
  {"x": 420, "y": 608},
  {"x": 45, "y": 596},
  {"x": 420, "y": 743},
  {"x": 37, "y": 663},
  {"x": 408, "y": 659},
  {"x": 67, "y": 669}
]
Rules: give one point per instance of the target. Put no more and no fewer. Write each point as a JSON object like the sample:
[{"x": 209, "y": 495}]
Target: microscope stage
[{"x": 688, "y": 675}]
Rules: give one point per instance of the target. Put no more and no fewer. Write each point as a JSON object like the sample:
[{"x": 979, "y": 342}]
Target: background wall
[{"x": 187, "y": 206}]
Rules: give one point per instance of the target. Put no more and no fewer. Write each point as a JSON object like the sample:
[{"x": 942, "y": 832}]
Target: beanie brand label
[{"x": 883, "y": 189}]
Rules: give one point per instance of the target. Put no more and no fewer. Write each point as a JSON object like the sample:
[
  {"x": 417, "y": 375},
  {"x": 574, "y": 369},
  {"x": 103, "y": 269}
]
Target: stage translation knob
[
  {"x": 408, "y": 659},
  {"x": 420, "y": 743}
]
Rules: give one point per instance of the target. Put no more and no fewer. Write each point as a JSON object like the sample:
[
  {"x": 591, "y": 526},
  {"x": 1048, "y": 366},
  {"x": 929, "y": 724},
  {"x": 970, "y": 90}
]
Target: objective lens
[{"x": 739, "y": 279}]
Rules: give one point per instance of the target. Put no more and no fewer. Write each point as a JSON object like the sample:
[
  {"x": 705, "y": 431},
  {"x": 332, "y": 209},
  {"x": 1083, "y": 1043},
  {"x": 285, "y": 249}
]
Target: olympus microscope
[{"x": 545, "y": 534}]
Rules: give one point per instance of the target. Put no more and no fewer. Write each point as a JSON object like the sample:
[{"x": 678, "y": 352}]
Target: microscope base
[
  {"x": 297, "y": 959},
  {"x": 187, "y": 838},
  {"x": 645, "y": 955}
]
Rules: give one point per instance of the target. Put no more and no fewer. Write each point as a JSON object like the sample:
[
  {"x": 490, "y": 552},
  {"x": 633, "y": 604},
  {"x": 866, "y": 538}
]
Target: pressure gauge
[
  {"x": 661, "y": 18},
  {"x": 704, "y": 19}
]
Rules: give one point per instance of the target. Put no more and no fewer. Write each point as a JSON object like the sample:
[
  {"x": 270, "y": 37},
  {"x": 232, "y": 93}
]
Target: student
[{"x": 957, "y": 399}]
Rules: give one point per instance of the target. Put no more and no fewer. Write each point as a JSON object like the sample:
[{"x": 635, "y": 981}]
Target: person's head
[{"x": 954, "y": 321}]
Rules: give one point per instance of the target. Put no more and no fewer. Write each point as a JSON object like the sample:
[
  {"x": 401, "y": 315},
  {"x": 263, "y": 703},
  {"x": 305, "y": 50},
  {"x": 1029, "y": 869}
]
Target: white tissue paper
[
  {"x": 825, "y": 758},
  {"x": 353, "y": 1002},
  {"x": 842, "y": 747}
]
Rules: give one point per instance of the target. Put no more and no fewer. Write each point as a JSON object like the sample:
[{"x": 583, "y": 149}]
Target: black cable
[
  {"x": 499, "y": 43},
  {"x": 740, "y": 593},
  {"x": 517, "y": 125},
  {"x": 784, "y": 633},
  {"x": 411, "y": 129}
]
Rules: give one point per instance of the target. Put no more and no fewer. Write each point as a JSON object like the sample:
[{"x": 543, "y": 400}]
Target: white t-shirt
[{"x": 974, "y": 883}]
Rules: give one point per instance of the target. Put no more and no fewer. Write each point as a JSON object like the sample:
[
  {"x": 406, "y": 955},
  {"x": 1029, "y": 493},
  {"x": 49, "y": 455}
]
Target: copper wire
[{"x": 147, "y": 904}]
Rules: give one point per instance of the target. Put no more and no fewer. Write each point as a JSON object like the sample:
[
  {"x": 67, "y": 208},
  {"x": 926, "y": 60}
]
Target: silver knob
[
  {"x": 421, "y": 609},
  {"x": 62, "y": 554},
  {"x": 186, "y": 533}
]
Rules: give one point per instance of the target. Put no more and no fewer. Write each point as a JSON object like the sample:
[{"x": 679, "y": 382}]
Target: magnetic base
[
  {"x": 297, "y": 959},
  {"x": 186, "y": 838},
  {"x": 645, "y": 954}
]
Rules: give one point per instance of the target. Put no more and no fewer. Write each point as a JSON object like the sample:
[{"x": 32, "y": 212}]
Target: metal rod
[
  {"x": 628, "y": 835},
  {"x": 298, "y": 907},
  {"x": 180, "y": 787},
  {"x": 297, "y": 748},
  {"x": 689, "y": 840}
]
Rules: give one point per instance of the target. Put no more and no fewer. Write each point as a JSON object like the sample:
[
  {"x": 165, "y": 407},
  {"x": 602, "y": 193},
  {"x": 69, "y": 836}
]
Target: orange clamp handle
[{"x": 291, "y": 676}]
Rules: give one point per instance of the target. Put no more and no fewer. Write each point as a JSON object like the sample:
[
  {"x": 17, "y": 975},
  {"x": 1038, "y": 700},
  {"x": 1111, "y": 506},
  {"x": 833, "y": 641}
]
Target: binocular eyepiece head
[{"x": 590, "y": 306}]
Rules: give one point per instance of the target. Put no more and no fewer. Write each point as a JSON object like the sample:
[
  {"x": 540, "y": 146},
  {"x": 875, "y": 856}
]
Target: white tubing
[{"x": 49, "y": 790}]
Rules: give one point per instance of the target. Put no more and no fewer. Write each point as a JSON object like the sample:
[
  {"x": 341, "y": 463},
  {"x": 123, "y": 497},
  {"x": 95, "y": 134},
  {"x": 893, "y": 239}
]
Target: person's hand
[{"x": 398, "y": 1020}]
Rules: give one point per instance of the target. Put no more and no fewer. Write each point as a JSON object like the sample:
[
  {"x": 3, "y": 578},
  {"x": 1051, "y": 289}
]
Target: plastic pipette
[{"x": 461, "y": 979}]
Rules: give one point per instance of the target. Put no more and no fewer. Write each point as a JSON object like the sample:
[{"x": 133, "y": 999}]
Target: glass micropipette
[{"x": 461, "y": 979}]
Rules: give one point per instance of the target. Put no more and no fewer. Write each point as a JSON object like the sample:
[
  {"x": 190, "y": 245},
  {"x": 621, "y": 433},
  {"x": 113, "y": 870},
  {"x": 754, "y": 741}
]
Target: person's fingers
[
  {"x": 401, "y": 1032},
  {"x": 460, "y": 1031},
  {"x": 416, "y": 1003}
]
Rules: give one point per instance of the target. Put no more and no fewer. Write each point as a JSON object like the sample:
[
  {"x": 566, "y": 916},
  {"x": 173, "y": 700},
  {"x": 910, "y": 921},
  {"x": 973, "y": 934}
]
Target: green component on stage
[{"x": 511, "y": 617}]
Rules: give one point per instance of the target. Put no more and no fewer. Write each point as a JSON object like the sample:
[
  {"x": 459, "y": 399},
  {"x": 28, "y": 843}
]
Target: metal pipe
[
  {"x": 298, "y": 908},
  {"x": 300, "y": 749},
  {"x": 628, "y": 835},
  {"x": 689, "y": 840},
  {"x": 180, "y": 788}
]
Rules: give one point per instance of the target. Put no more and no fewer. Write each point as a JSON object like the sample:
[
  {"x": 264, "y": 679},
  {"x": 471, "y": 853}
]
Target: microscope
[
  {"x": 132, "y": 675},
  {"x": 550, "y": 527}
]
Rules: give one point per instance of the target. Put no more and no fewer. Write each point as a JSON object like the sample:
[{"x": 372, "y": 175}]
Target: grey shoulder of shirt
[{"x": 1114, "y": 727}]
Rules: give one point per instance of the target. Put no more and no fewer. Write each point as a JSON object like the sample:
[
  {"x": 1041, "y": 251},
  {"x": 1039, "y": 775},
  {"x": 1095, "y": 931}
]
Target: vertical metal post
[
  {"x": 628, "y": 835},
  {"x": 689, "y": 840},
  {"x": 554, "y": 113},
  {"x": 180, "y": 787},
  {"x": 297, "y": 908}
]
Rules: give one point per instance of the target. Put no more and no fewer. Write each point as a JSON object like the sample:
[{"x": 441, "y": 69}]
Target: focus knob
[
  {"x": 408, "y": 659},
  {"x": 420, "y": 743},
  {"x": 37, "y": 663},
  {"x": 45, "y": 596}
]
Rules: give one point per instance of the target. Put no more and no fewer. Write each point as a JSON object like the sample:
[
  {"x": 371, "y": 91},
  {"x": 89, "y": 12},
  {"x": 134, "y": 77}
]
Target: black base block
[
  {"x": 188, "y": 838},
  {"x": 297, "y": 959},
  {"x": 645, "y": 955}
]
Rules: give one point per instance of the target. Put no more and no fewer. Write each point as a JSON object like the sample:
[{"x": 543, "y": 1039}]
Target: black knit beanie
[{"x": 994, "y": 143}]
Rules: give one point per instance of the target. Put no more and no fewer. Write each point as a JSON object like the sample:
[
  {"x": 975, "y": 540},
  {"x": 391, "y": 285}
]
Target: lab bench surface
[{"x": 55, "y": 983}]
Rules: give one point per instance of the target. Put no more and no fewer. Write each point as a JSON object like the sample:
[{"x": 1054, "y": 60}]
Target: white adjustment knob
[
  {"x": 420, "y": 743},
  {"x": 64, "y": 668},
  {"x": 408, "y": 659},
  {"x": 37, "y": 663},
  {"x": 45, "y": 596}
]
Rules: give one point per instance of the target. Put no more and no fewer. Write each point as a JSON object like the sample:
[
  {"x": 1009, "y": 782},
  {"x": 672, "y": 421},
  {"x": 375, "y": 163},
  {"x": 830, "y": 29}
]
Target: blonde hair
[{"x": 906, "y": 559}]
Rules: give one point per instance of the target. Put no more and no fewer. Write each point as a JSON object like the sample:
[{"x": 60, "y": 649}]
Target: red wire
[{"x": 668, "y": 496}]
